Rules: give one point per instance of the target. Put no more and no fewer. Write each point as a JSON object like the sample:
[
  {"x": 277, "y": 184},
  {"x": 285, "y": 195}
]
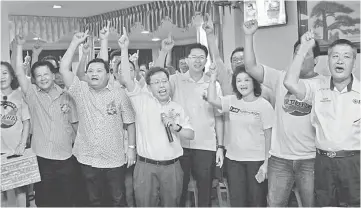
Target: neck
[
  {"x": 163, "y": 102},
  {"x": 196, "y": 76},
  {"x": 6, "y": 91},
  {"x": 308, "y": 75},
  {"x": 340, "y": 84},
  {"x": 250, "y": 97}
]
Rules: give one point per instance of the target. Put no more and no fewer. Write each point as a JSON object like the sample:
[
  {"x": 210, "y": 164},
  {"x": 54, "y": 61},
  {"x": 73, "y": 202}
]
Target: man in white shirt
[
  {"x": 293, "y": 137},
  {"x": 336, "y": 118}
]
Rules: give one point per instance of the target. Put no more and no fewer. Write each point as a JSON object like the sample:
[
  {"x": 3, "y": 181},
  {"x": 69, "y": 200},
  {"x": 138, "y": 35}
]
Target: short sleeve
[
  {"x": 226, "y": 103},
  {"x": 75, "y": 89},
  {"x": 271, "y": 77},
  {"x": 268, "y": 115},
  {"x": 126, "y": 108},
  {"x": 73, "y": 116},
  {"x": 219, "y": 94},
  {"x": 310, "y": 87},
  {"x": 184, "y": 120},
  {"x": 25, "y": 114}
]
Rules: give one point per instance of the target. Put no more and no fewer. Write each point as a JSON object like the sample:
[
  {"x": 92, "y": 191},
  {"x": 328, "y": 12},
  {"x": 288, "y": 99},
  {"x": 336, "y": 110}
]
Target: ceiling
[{"x": 90, "y": 8}]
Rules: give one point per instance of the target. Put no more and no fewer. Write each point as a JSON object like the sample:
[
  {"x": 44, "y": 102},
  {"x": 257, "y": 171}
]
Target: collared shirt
[
  {"x": 152, "y": 140},
  {"x": 293, "y": 136},
  {"x": 335, "y": 115},
  {"x": 14, "y": 111},
  {"x": 51, "y": 116},
  {"x": 189, "y": 94},
  {"x": 100, "y": 139}
]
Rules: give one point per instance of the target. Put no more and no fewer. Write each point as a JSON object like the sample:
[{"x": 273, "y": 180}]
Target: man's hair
[
  {"x": 42, "y": 63},
  {"x": 131, "y": 63},
  {"x": 183, "y": 57},
  {"x": 154, "y": 70},
  {"x": 99, "y": 60},
  {"x": 315, "y": 48},
  {"x": 14, "y": 82},
  {"x": 53, "y": 58},
  {"x": 238, "y": 49},
  {"x": 343, "y": 42},
  {"x": 199, "y": 46},
  {"x": 257, "y": 90},
  {"x": 117, "y": 52}
]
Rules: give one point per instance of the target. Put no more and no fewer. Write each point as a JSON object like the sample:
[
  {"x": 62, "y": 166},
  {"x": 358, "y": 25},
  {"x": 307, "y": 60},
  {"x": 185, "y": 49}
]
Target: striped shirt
[
  {"x": 100, "y": 139},
  {"x": 51, "y": 116}
]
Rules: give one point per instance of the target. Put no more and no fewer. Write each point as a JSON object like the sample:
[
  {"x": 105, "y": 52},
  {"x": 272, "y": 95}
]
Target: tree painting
[{"x": 342, "y": 21}]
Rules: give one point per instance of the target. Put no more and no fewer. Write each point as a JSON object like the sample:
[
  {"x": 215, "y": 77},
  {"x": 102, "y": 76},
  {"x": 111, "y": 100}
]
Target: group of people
[{"x": 272, "y": 130}]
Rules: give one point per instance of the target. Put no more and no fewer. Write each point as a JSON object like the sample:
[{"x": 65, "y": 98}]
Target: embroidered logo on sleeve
[
  {"x": 112, "y": 108},
  {"x": 8, "y": 114}
]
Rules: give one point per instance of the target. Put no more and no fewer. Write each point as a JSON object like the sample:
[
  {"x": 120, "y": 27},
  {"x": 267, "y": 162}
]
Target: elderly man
[
  {"x": 103, "y": 109},
  {"x": 336, "y": 118}
]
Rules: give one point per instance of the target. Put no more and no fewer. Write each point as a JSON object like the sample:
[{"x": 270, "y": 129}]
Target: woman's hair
[
  {"x": 14, "y": 82},
  {"x": 257, "y": 90}
]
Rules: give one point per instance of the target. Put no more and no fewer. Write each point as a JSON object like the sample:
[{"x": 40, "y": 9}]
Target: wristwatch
[{"x": 221, "y": 146}]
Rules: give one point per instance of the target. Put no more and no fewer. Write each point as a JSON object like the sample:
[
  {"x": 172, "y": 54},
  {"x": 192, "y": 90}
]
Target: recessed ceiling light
[
  {"x": 56, "y": 7},
  {"x": 156, "y": 39},
  {"x": 36, "y": 38},
  {"x": 145, "y": 32}
]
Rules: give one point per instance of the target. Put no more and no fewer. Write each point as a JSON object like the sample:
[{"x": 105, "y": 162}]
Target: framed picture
[
  {"x": 266, "y": 12},
  {"x": 330, "y": 20}
]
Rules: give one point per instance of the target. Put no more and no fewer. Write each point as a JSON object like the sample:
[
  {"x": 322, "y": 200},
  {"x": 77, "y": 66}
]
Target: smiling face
[
  {"x": 97, "y": 76},
  {"x": 244, "y": 84},
  {"x": 6, "y": 77},
  {"x": 341, "y": 61},
  {"x": 197, "y": 60},
  {"x": 44, "y": 78},
  {"x": 160, "y": 86},
  {"x": 237, "y": 60}
]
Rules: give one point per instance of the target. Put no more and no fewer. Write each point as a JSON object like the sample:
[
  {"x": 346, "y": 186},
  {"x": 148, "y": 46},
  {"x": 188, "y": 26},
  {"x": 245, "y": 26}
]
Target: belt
[
  {"x": 341, "y": 153},
  {"x": 156, "y": 162}
]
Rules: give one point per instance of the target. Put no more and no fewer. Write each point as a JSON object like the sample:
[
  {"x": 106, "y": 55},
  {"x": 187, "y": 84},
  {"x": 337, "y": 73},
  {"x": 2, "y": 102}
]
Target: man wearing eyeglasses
[
  {"x": 157, "y": 174},
  {"x": 201, "y": 154}
]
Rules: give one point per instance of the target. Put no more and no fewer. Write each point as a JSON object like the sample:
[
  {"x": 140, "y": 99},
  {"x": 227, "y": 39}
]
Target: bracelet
[
  {"x": 221, "y": 146},
  {"x": 180, "y": 128},
  {"x": 132, "y": 146}
]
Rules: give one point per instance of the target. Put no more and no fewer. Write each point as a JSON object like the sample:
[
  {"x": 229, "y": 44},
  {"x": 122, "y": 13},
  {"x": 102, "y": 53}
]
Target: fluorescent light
[
  {"x": 156, "y": 39},
  {"x": 56, "y": 7},
  {"x": 145, "y": 32},
  {"x": 36, "y": 38}
]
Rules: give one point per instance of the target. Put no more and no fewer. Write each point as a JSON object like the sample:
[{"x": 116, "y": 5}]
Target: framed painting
[{"x": 330, "y": 20}]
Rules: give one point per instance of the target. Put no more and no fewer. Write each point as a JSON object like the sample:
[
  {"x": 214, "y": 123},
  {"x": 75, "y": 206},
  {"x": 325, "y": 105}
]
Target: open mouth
[
  {"x": 339, "y": 69},
  {"x": 94, "y": 79},
  {"x": 162, "y": 92},
  {"x": 244, "y": 88}
]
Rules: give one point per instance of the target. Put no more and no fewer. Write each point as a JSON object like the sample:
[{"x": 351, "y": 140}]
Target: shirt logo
[
  {"x": 294, "y": 107},
  {"x": 8, "y": 114},
  {"x": 112, "y": 108},
  {"x": 234, "y": 110},
  {"x": 325, "y": 100},
  {"x": 356, "y": 101}
]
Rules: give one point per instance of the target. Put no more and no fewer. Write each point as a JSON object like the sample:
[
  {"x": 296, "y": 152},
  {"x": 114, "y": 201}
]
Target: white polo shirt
[{"x": 335, "y": 115}]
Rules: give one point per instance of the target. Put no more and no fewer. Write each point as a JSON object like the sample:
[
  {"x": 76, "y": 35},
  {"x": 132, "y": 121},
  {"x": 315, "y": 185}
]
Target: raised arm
[
  {"x": 37, "y": 48},
  {"x": 292, "y": 80},
  {"x": 167, "y": 45},
  {"x": 19, "y": 69},
  {"x": 80, "y": 72},
  {"x": 134, "y": 58},
  {"x": 123, "y": 43},
  {"x": 250, "y": 62},
  {"x": 65, "y": 65},
  {"x": 103, "y": 35},
  {"x": 212, "y": 97}
]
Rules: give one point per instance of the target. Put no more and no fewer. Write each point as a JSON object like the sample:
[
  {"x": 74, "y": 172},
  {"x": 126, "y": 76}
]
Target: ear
[{"x": 316, "y": 60}]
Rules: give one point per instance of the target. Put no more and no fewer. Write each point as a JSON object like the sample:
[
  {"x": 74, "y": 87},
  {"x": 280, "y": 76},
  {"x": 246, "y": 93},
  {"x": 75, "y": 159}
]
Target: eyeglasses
[
  {"x": 201, "y": 58},
  {"x": 157, "y": 82},
  {"x": 237, "y": 60},
  {"x": 5, "y": 98}
]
